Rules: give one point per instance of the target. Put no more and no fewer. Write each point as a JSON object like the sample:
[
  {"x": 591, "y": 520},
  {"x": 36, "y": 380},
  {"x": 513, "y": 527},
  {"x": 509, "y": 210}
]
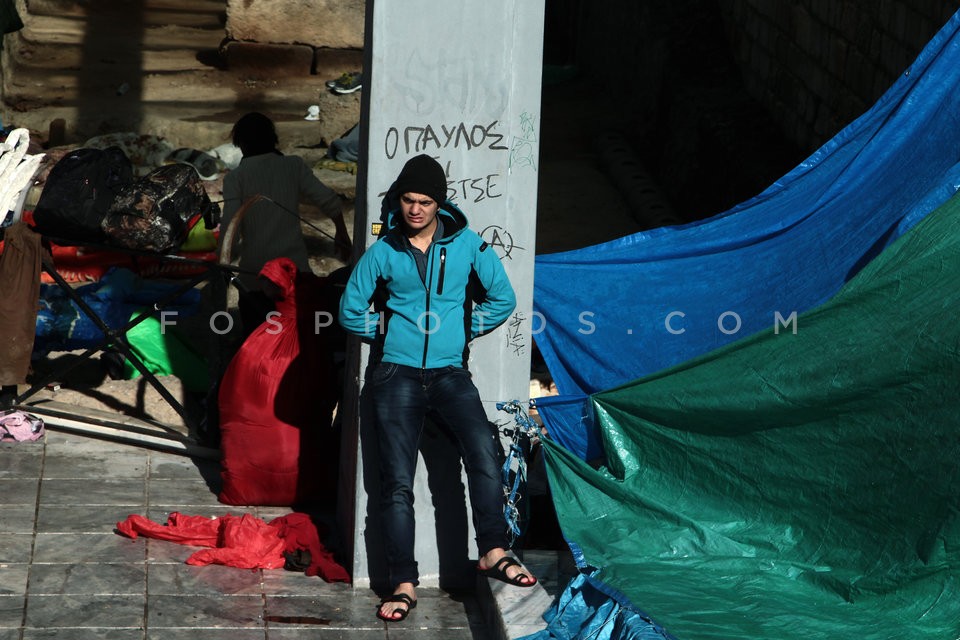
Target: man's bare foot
[
  {"x": 497, "y": 564},
  {"x": 397, "y": 606}
]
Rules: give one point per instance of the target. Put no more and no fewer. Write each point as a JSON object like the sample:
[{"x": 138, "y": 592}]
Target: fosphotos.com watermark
[
  {"x": 727, "y": 322},
  {"x": 674, "y": 323},
  {"x": 222, "y": 322}
]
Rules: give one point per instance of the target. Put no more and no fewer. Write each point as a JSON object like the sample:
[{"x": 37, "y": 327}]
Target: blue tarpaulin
[
  {"x": 623, "y": 309},
  {"x": 645, "y": 334}
]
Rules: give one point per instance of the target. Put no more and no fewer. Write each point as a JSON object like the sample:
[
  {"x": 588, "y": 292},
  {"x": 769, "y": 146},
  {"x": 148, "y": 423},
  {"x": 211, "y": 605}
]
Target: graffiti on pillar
[
  {"x": 523, "y": 148},
  {"x": 430, "y": 137},
  {"x": 406, "y": 140},
  {"x": 439, "y": 79},
  {"x": 516, "y": 337},
  {"x": 472, "y": 190},
  {"x": 501, "y": 240}
]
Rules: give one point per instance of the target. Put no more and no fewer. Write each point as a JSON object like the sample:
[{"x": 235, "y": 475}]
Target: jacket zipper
[
  {"x": 443, "y": 265},
  {"x": 426, "y": 333}
]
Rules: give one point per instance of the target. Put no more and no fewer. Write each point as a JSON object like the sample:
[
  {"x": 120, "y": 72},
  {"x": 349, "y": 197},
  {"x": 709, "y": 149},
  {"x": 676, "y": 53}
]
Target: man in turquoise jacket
[{"x": 421, "y": 279}]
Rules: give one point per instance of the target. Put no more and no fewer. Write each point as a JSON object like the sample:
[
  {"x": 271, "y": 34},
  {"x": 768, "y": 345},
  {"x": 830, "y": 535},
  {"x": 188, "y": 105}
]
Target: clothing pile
[{"x": 245, "y": 542}]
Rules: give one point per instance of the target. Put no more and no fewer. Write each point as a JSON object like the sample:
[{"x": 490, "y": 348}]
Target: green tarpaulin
[{"x": 793, "y": 485}]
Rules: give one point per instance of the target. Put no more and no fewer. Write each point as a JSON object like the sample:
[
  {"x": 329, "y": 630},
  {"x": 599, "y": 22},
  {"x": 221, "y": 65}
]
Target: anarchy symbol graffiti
[{"x": 500, "y": 239}]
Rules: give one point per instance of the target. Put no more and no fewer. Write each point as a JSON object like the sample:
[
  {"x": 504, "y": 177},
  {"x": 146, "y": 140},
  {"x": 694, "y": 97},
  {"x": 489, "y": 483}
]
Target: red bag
[{"x": 277, "y": 399}]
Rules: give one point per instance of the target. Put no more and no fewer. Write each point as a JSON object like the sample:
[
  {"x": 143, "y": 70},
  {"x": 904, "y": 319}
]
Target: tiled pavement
[{"x": 64, "y": 573}]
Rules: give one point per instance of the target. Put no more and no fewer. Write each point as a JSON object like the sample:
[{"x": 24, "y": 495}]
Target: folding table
[{"x": 219, "y": 275}]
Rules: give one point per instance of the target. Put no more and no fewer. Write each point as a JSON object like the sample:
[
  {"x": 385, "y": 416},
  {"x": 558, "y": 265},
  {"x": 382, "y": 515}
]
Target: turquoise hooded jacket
[{"x": 427, "y": 323}]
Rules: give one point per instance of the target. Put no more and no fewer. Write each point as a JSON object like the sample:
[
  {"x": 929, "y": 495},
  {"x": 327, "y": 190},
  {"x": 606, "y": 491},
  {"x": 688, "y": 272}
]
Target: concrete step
[{"x": 515, "y": 612}]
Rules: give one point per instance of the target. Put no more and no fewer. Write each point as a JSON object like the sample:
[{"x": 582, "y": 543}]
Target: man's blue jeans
[{"x": 402, "y": 397}]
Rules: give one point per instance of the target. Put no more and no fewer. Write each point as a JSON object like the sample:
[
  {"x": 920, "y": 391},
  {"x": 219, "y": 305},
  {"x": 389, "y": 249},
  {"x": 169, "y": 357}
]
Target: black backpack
[
  {"x": 78, "y": 192},
  {"x": 157, "y": 211}
]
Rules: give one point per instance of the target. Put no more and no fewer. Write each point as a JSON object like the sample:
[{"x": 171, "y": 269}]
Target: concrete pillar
[{"x": 460, "y": 82}]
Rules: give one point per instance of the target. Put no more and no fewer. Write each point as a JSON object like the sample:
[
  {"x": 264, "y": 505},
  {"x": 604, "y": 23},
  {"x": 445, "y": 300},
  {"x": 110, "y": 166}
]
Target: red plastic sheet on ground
[{"x": 245, "y": 542}]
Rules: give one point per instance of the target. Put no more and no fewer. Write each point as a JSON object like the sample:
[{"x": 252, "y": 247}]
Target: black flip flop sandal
[
  {"x": 402, "y": 598},
  {"x": 499, "y": 572}
]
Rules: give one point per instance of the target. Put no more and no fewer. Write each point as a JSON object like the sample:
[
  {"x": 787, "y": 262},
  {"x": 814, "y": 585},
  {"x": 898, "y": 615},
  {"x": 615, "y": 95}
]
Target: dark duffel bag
[
  {"x": 78, "y": 191},
  {"x": 157, "y": 211}
]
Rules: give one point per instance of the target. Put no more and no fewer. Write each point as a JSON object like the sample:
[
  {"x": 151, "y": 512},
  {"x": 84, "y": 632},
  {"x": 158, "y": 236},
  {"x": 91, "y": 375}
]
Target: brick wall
[{"x": 816, "y": 65}]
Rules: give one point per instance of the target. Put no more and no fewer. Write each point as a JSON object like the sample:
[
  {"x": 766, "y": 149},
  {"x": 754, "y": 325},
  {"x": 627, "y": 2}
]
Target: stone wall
[
  {"x": 816, "y": 65},
  {"x": 295, "y": 37},
  {"x": 315, "y": 40},
  {"x": 333, "y": 24}
]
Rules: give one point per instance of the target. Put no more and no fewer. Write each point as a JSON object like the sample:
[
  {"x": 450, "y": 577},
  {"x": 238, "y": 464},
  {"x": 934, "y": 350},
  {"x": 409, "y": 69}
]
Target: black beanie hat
[{"x": 422, "y": 174}]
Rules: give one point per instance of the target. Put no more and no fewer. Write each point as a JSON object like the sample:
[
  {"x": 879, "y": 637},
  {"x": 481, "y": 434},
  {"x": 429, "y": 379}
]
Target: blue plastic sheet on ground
[{"x": 606, "y": 618}]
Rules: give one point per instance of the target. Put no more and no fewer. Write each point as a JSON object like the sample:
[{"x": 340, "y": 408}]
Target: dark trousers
[{"x": 402, "y": 398}]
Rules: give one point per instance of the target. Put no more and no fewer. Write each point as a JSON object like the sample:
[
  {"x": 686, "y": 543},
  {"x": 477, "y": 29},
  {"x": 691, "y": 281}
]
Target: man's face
[{"x": 418, "y": 210}]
